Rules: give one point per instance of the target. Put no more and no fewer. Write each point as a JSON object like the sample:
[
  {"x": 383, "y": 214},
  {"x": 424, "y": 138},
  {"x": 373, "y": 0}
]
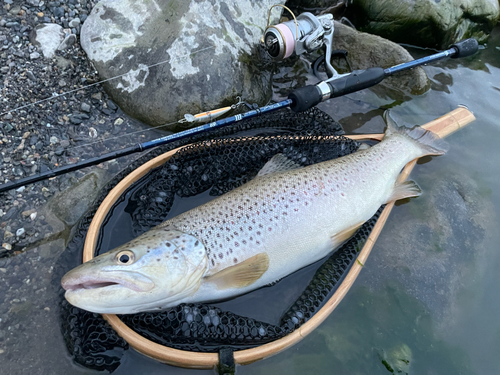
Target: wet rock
[
  {"x": 207, "y": 46},
  {"x": 366, "y": 50},
  {"x": 72, "y": 203},
  {"x": 425, "y": 23},
  {"x": 47, "y": 36}
]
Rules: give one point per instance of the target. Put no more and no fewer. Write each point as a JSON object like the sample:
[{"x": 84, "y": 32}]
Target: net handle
[{"x": 443, "y": 126}]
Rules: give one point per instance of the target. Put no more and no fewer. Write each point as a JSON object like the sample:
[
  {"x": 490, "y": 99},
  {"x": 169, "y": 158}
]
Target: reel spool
[{"x": 305, "y": 33}]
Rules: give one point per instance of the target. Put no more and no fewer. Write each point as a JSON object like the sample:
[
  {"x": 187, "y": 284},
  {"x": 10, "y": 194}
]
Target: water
[{"x": 427, "y": 300}]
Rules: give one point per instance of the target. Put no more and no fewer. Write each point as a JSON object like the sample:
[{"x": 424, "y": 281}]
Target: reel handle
[{"x": 465, "y": 48}]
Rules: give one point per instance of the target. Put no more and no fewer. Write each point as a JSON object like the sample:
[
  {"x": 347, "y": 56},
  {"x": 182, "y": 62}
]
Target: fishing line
[{"x": 55, "y": 96}]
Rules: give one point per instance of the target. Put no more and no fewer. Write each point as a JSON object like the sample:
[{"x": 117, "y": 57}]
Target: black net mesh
[{"x": 217, "y": 165}]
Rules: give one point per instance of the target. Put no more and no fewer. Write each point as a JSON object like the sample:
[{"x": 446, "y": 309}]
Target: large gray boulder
[
  {"x": 206, "y": 54},
  {"x": 426, "y": 23}
]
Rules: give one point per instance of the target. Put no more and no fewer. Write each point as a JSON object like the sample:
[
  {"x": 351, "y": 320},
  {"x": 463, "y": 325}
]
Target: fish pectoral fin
[
  {"x": 242, "y": 274},
  {"x": 403, "y": 190},
  {"x": 278, "y": 163},
  {"x": 341, "y": 237}
]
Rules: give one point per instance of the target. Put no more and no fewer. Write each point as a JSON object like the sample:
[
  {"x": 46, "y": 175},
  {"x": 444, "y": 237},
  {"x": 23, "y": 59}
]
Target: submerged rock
[
  {"x": 366, "y": 51},
  {"x": 426, "y": 23},
  {"x": 422, "y": 245},
  {"x": 208, "y": 48}
]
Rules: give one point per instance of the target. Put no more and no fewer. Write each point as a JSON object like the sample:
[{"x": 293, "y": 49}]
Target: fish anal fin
[
  {"x": 403, "y": 190},
  {"x": 242, "y": 274},
  {"x": 278, "y": 163},
  {"x": 341, "y": 237}
]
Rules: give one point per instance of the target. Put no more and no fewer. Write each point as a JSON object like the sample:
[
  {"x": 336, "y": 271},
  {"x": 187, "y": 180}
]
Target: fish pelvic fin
[
  {"x": 278, "y": 163},
  {"x": 242, "y": 274},
  {"x": 341, "y": 237},
  {"x": 406, "y": 189},
  {"x": 428, "y": 142}
]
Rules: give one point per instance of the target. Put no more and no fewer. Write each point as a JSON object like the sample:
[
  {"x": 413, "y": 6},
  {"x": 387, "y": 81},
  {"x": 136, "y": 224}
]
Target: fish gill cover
[{"x": 218, "y": 165}]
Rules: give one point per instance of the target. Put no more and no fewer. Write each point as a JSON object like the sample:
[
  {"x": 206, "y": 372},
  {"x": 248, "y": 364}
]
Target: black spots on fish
[
  {"x": 269, "y": 229},
  {"x": 236, "y": 243},
  {"x": 168, "y": 244},
  {"x": 258, "y": 233},
  {"x": 176, "y": 251},
  {"x": 196, "y": 243},
  {"x": 158, "y": 259},
  {"x": 235, "y": 260},
  {"x": 221, "y": 255},
  {"x": 227, "y": 239},
  {"x": 176, "y": 258}
]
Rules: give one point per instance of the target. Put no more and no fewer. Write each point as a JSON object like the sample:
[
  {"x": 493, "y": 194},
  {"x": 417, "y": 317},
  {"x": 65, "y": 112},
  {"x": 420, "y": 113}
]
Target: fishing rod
[{"x": 298, "y": 100}]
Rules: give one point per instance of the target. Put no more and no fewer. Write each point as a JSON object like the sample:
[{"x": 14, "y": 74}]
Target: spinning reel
[{"x": 306, "y": 33}]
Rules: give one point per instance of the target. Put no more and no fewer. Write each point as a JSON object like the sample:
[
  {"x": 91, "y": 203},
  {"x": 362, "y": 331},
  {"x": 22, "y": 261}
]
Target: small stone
[
  {"x": 47, "y": 309},
  {"x": 75, "y": 120},
  {"x": 7, "y": 234},
  {"x": 27, "y": 213},
  {"x": 68, "y": 41},
  {"x": 7, "y": 246},
  {"x": 34, "y": 55},
  {"x": 20, "y": 232},
  {"x": 112, "y": 105},
  {"x": 119, "y": 121},
  {"x": 33, "y": 216},
  {"x": 21, "y": 189},
  {"x": 54, "y": 139},
  {"x": 31, "y": 76},
  {"x": 8, "y": 116},
  {"x": 64, "y": 143},
  {"x": 40, "y": 14},
  {"x": 97, "y": 96},
  {"x": 59, "y": 151},
  {"x": 62, "y": 83},
  {"x": 92, "y": 133},
  {"x": 85, "y": 107},
  {"x": 75, "y": 22}
]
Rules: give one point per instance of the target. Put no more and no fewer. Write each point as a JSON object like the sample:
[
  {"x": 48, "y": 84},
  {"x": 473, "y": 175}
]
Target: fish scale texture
[{"x": 217, "y": 165}]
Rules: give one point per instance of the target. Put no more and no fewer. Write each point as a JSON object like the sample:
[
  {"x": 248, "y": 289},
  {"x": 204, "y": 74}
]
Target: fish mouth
[{"x": 129, "y": 280}]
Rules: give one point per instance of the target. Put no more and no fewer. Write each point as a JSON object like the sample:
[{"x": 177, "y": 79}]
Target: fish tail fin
[{"x": 428, "y": 142}]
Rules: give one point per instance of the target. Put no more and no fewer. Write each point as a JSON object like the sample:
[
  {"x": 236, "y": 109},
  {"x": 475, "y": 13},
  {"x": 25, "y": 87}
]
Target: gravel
[{"x": 41, "y": 136}]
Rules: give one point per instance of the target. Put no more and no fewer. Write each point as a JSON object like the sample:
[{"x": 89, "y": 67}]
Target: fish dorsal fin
[
  {"x": 242, "y": 274},
  {"x": 403, "y": 190},
  {"x": 278, "y": 163},
  {"x": 341, "y": 237}
]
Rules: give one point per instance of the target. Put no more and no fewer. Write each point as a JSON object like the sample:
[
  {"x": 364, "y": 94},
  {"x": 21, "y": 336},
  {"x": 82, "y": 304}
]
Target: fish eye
[{"x": 125, "y": 257}]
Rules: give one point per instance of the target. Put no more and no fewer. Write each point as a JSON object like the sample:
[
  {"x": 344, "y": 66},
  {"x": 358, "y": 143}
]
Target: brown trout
[{"x": 286, "y": 218}]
